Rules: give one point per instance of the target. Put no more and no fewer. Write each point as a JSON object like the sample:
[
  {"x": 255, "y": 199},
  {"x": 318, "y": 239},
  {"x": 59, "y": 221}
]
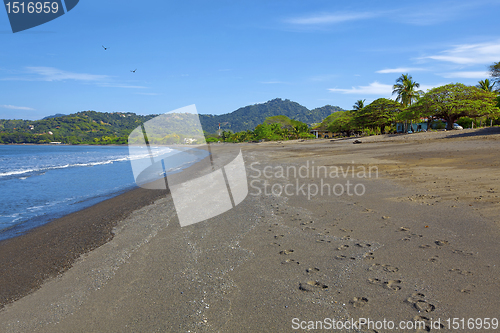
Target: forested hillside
[
  {"x": 248, "y": 117},
  {"x": 91, "y": 127}
]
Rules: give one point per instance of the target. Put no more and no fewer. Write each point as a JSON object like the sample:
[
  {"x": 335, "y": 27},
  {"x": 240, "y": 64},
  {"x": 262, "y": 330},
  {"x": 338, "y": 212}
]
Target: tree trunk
[{"x": 449, "y": 122}]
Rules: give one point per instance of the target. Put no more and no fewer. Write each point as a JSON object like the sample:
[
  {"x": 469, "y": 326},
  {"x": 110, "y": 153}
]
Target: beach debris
[{"x": 356, "y": 141}]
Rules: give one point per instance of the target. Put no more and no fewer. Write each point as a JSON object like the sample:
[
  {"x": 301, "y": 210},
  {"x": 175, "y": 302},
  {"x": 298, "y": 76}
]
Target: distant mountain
[
  {"x": 57, "y": 115},
  {"x": 248, "y": 117}
]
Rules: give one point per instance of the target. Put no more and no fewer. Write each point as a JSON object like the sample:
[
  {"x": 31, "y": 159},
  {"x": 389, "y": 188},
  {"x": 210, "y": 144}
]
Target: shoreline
[{"x": 56, "y": 245}]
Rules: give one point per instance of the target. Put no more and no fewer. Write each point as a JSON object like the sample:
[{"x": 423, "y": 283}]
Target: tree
[
  {"x": 360, "y": 103},
  {"x": 495, "y": 73},
  {"x": 406, "y": 90},
  {"x": 380, "y": 113},
  {"x": 456, "y": 100},
  {"x": 341, "y": 122},
  {"x": 486, "y": 85}
]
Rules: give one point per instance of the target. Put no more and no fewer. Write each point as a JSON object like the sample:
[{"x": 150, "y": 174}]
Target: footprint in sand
[
  {"x": 322, "y": 241},
  {"x": 409, "y": 237},
  {"x": 375, "y": 281},
  {"x": 312, "y": 286},
  {"x": 393, "y": 285},
  {"x": 359, "y": 302},
  {"x": 459, "y": 271},
  {"x": 387, "y": 268},
  {"x": 285, "y": 252},
  {"x": 342, "y": 247},
  {"x": 290, "y": 261},
  {"x": 464, "y": 253},
  {"x": 312, "y": 270},
  {"x": 346, "y": 230},
  {"x": 342, "y": 257},
  {"x": 369, "y": 256},
  {"x": 441, "y": 242},
  {"x": 404, "y": 229},
  {"x": 419, "y": 303},
  {"x": 433, "y": 259},
  {"x": 279, "y": 236},
  {"x": 363, "y": 245},
  {"x": 345, "y": 237},
  {"x": 467, "y": 289},
  {"x": 306, "y": 223},
  {"x": 425, "y": 246}
]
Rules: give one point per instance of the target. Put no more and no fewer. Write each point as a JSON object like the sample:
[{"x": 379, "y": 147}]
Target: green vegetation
[
  {"x": 272, "y": 129},
  {"x": 452, "y": 101},
  {"x": 91, "y": 127},
  {"x": 248, "y": 117},
  {"x": 406, "y": 90},
  {"x": 87, "y": 127},
  {"x": 378, "y": 114}
]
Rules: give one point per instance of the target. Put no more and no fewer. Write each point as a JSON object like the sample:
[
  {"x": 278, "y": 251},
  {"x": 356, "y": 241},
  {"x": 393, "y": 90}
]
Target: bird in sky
[
  {"x": 105, "y": 48},
  {"x": 134, "y": 70}
]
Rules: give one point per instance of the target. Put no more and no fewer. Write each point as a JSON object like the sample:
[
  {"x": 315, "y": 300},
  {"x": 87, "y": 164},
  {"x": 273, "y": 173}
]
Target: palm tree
[
  {"x": 486, "y": 85},
  {"x": 406, "y": 90},
  {"x": 360, "y": 103}
]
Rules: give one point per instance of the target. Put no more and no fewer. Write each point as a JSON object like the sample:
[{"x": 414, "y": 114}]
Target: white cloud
[
  {"x": 470, "y": 54},
  {"x": 54, "y": 74},
  {"x": 330, "y": 18},
  {"x": 466, "y": 75},
  {"x": 400, "y": 70},
  {"x": 51, "y": 74},
  {"x": 13, "y": 107},
  {"x": 374, "y": 88}
]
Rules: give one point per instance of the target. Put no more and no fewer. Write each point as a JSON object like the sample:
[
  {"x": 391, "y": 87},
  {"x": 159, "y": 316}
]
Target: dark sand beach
[{"x": 419, "y": 243}]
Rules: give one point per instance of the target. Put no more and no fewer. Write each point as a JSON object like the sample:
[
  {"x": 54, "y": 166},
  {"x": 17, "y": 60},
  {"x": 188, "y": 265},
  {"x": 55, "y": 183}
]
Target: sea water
[{"x": 39, "y": 183}]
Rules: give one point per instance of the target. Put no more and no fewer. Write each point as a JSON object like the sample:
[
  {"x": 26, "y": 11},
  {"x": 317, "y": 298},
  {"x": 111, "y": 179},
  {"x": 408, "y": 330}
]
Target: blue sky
[{"x": 222, "y": 55}]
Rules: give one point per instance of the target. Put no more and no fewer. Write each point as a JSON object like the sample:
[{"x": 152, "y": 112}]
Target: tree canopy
[
  {"x": 379, "y": 113},
  {"x": 456, "y": 100}
]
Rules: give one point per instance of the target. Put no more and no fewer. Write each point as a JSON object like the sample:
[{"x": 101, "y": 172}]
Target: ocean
[{"x": 39, "y": 183}]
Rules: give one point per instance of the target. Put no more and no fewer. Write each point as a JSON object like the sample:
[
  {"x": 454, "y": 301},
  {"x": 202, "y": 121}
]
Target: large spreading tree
[
  {"x": 378, "y": 114},
  {"x": 456, "y": 100},
  {"x": 341, "y": 122}
]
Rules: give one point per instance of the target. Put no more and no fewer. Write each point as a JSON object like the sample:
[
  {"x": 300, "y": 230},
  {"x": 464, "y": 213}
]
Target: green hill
[
  {"x": 91, "y": 127},
  {"x": 248, "y": 117}
]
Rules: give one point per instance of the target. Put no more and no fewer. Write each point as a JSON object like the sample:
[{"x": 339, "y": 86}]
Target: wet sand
[{"x": 419, "y": 244}]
